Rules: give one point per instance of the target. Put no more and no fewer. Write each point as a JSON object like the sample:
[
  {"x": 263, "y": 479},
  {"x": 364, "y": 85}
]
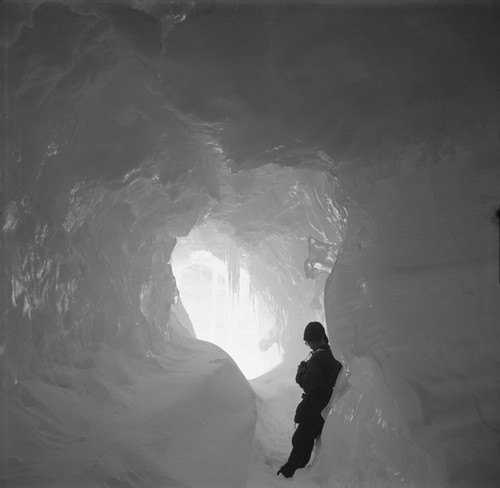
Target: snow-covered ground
[
  {"x": 185, "y": 419},
  {"x": 189, "y": 419}
]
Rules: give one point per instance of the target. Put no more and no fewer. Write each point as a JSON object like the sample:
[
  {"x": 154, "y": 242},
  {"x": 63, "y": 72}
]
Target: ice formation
[
  {"x": 337, "y": 163},
  {"x": 225, "y": 306}
]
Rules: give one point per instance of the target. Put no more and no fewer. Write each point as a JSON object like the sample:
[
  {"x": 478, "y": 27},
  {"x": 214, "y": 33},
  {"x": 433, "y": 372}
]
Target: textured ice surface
[{"x": 418, "y": 301}]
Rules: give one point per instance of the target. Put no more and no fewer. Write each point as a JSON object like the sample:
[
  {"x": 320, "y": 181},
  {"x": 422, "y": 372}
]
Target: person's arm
[
  {"x": 301, "y": 369},
  {"x": 313, "y": 377}
]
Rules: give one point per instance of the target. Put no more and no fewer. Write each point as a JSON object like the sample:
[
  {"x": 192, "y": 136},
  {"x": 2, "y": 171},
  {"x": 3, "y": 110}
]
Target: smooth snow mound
[{"x": 185, "y": 419}]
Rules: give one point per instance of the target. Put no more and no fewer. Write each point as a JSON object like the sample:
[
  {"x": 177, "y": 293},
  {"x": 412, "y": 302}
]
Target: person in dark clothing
[{"x": 317, "y": 376}]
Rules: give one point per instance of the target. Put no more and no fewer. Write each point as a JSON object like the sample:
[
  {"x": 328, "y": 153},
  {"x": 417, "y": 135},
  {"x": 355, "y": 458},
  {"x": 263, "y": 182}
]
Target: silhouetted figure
[{"x": 316, "y": 376}]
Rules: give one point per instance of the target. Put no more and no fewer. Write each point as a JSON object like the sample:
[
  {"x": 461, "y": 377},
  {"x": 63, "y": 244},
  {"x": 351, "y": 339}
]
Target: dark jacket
[{"x": 317, "y": 377}]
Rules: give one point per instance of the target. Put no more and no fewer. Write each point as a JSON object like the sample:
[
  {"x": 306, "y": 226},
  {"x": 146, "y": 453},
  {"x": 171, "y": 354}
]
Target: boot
[{"x": 285, "y": 471}]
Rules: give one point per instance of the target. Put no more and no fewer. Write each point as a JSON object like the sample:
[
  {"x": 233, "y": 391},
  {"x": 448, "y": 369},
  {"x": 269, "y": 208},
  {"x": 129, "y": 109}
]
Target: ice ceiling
[{"x": 284, "y": 140}]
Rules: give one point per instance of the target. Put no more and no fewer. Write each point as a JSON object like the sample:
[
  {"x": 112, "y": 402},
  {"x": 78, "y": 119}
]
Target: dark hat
[{"x": 314, "y": 332}]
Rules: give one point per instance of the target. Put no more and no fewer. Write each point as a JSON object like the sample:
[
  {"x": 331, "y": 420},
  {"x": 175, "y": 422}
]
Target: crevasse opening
[{"x": 223, "y": 302}]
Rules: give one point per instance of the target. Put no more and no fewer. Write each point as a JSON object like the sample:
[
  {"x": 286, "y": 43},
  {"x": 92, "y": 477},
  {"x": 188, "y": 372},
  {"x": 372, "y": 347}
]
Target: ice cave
[{"x": 185, "y": 184}]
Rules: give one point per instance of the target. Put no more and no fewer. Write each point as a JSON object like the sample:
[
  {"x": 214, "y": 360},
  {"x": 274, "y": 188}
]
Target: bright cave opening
[{"x": 223, "y": 303}]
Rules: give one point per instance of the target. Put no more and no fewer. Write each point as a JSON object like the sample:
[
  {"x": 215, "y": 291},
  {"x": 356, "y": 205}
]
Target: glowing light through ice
[{"x": 225, "y": 309}]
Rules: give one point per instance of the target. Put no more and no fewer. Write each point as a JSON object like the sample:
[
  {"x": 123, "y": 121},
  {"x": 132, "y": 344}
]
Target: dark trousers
[{"x": 302, "y": 445}]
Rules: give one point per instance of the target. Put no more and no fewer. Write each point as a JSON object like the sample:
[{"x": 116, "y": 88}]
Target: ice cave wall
[{"x": 413, "y": 303}]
